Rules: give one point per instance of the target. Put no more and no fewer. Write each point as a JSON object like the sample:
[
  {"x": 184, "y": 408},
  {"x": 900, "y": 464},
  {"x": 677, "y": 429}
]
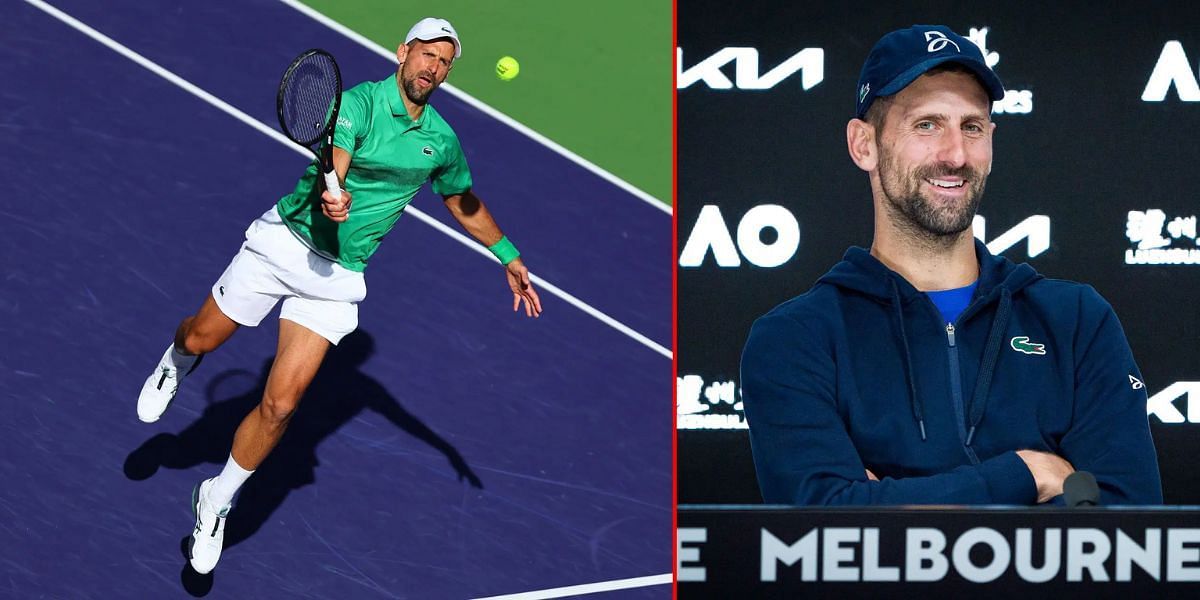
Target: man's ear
[
  {"x": 401, "y": 53},
  {"x": 863, "y": 144}
]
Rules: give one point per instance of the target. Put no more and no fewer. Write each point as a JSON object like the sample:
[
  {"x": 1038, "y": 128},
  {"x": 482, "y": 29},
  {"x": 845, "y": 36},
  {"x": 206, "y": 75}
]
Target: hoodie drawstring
[
  {"x": 991, "y": 353},
  {"x": 915, "y": 400}
]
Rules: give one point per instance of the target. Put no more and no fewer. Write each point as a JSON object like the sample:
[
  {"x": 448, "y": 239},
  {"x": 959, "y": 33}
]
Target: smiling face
[
  {"x": 935, "y": 153},
  {"x": 424, "y": 66}
]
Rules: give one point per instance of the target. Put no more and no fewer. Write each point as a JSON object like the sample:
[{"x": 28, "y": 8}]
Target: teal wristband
[{"x": 504, "y": 250}]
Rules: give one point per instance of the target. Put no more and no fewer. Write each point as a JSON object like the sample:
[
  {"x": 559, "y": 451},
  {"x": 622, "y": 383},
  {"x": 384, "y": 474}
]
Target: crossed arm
[
  {"x": 1049, "y": 471},
  {"x": 804, "y": 453}
]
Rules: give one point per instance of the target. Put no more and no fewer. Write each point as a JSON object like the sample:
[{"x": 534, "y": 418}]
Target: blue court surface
[{"x": 447, "y": 449}]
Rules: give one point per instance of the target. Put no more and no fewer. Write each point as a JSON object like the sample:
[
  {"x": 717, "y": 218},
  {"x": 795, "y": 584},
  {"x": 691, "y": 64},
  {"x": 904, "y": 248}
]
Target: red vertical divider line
[{"x": 674, "y": 298}]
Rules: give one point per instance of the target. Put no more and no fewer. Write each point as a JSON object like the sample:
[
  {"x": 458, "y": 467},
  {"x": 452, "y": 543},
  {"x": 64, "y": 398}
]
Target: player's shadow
[{"x": 337, "y": 394}]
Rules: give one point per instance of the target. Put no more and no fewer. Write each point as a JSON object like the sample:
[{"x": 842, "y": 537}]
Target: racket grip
[{"x": 332, "y": 184}]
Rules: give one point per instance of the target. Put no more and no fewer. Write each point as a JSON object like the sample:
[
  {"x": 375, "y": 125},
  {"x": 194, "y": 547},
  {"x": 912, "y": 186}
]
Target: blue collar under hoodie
[{"x": 861, "y": 373}]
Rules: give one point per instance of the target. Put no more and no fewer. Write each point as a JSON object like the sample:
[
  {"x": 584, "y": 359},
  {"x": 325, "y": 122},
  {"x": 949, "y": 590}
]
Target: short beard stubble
[{"x": 922, "y": 219}]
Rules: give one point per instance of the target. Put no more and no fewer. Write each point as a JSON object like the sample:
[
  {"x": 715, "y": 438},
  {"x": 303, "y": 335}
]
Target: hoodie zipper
[{"x": 960, "y": 410}]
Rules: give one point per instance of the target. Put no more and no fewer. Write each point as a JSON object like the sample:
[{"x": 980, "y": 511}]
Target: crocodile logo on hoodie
[{"x": 1021, "y": 343}]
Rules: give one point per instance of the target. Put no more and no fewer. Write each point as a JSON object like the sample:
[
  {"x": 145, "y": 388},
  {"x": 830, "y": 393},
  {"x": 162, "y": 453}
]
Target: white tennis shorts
[{"x": 273, "y": 264}]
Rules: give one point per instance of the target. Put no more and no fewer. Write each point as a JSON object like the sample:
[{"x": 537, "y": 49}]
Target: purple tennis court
[{"x": 447, "y": 449}]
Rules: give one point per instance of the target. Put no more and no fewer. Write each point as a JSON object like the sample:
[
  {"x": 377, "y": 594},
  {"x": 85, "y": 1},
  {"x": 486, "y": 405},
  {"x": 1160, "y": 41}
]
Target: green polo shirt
[{"x": 392, "y": 156}]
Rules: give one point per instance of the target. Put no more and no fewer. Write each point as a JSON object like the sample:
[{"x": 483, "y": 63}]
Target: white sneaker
[
  {"x": 160, "y": 387},
  {"x": 204, "y": 548}
]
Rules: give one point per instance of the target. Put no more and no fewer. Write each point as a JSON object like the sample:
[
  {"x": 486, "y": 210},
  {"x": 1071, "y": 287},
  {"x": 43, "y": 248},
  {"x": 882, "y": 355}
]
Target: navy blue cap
[{"x": 902, "y": 56}]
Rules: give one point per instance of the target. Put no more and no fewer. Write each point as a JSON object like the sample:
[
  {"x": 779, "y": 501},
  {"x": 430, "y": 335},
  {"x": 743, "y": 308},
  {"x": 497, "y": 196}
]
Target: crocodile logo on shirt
[
  {"x": 1021, "y": 343},
  {"x": 427, "y": 151}
]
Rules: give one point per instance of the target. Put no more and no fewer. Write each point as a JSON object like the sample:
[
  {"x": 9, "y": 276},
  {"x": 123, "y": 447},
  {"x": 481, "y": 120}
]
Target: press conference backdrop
[{"x": 1095, "y": 179}]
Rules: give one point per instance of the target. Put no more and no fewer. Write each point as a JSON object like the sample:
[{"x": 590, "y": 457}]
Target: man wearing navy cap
[
  {"x": 925, "y": 370},
  {"x": 309, "y": 253}
]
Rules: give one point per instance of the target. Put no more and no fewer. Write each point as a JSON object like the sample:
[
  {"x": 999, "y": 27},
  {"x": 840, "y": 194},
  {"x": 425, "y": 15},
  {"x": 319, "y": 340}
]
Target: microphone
[{"x": 1080, "y": 489}]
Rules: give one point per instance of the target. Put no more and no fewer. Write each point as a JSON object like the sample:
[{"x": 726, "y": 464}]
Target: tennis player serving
[{"x": 311, "y": 249}]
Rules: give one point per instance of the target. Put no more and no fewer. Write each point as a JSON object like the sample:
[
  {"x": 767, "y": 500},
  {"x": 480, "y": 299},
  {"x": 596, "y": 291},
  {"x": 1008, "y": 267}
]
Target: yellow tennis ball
[{"x": 507, "y": 68}]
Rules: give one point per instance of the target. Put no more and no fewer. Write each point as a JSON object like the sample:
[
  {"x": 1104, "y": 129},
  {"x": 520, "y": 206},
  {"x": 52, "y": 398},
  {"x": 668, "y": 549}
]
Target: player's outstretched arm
[
  {"x": 522, "y": 288},
  {"x": 473, "y": 215}
]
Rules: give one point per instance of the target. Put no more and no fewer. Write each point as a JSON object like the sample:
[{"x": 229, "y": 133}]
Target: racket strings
[{"x": 308, "y": 98}]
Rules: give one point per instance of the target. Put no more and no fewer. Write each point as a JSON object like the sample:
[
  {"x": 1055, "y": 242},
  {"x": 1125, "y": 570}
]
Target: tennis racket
[{"x": 308, "y": 101}]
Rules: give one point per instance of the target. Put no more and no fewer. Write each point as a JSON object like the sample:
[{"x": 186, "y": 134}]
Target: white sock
[
  {"x": 227, "y": 483},
  {"x": 182, "y": 362}
]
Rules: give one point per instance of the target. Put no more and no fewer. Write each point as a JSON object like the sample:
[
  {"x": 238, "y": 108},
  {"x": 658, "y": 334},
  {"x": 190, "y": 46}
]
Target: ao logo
[
  {"x": 1172, "y": 68},
  {"x": 712, "y": 233}
]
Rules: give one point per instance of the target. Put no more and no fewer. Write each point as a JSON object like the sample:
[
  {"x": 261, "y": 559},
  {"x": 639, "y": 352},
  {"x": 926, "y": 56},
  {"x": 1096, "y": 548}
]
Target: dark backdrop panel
[{"x": 1079, "y": 146}]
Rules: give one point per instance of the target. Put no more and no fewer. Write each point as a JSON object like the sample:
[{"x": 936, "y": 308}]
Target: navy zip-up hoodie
[{"x": 862, "y": 372}]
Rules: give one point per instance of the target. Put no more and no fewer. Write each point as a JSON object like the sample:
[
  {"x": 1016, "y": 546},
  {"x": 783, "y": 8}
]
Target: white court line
[
  {"x": 587, "y": 588},
  {"x": 479, "y": 104},
  {"x": 557, "y": 291},
  {"x": 269, "y": 131}
]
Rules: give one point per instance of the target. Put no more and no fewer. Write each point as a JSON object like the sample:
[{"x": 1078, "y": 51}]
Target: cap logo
[
  {"x": 447, "y": 31},
  {"x": 1136, "y": 383},
  {"x": 937, "y": 41},
  {"x": 863, "y": 91}
]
